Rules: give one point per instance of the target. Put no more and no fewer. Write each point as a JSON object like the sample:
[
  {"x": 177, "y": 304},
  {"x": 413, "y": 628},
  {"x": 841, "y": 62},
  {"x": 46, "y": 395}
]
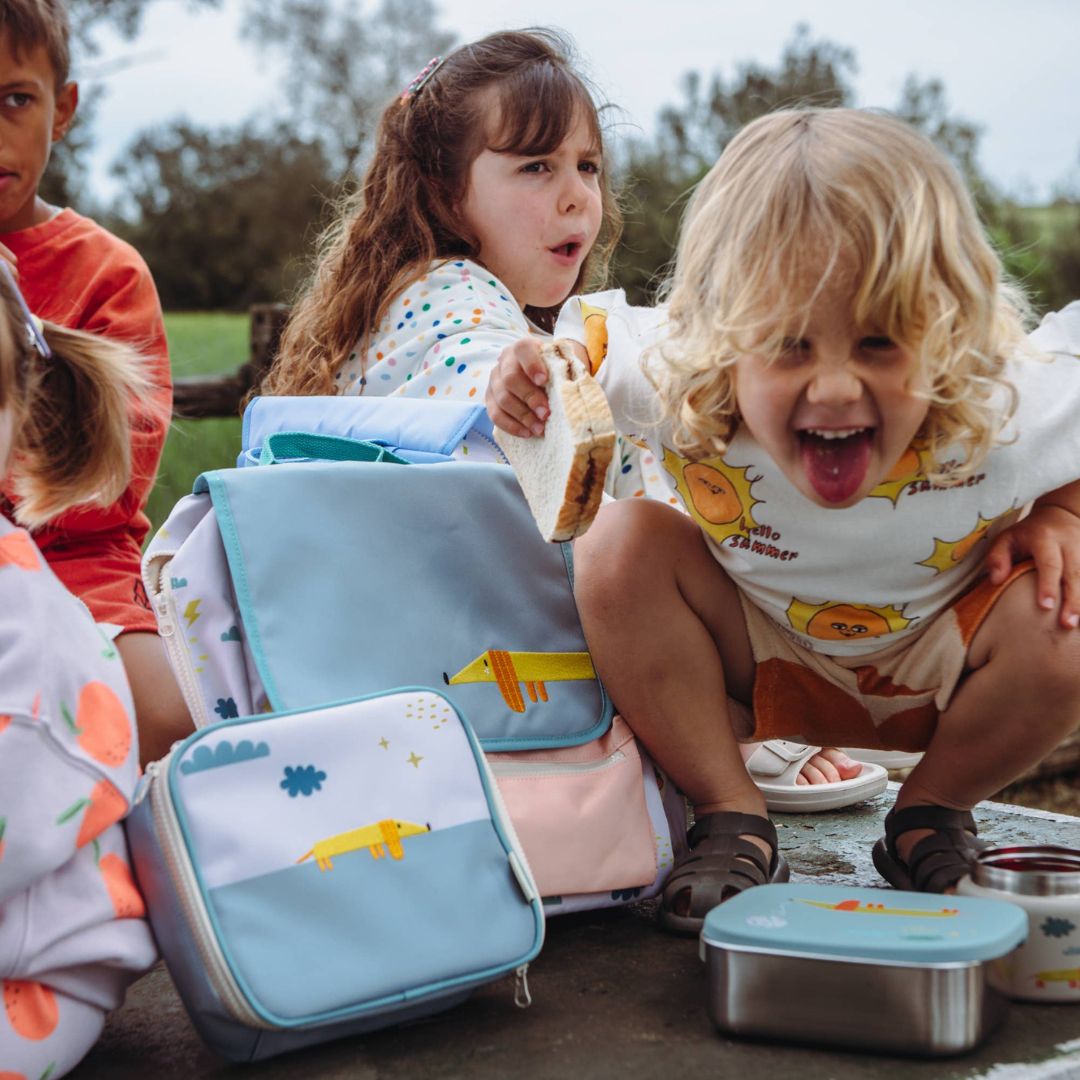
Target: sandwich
[{"x": 562, "y": 472}]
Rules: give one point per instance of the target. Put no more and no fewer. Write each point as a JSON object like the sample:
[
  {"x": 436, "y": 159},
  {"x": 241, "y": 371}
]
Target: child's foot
[
  {"x": 726, "y": 855},
  {"x": 797, "y": 778},
  {"x": 927, "y": 848}
]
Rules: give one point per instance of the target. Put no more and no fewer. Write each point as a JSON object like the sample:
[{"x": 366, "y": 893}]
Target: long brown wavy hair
[{"x": 406, "y": 213}]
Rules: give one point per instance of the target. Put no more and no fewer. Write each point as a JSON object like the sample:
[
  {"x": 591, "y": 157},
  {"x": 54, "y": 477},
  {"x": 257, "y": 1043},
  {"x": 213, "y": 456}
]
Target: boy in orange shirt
[{"x": 75, "y": 273}]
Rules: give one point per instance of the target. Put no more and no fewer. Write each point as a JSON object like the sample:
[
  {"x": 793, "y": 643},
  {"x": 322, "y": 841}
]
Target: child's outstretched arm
[
  {"x": 516, "y": 399},
  {"x": 1050, "y": 535}
]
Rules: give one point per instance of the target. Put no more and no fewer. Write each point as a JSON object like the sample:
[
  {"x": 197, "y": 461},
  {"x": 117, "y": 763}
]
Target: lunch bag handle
[{"x": 290, "y": 445}]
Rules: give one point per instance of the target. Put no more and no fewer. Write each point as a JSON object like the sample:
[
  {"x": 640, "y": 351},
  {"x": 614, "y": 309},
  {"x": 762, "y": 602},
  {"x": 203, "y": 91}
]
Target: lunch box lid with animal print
[
  {"x": 324, "y": 871},
  {"x": 858, "y": 923}
]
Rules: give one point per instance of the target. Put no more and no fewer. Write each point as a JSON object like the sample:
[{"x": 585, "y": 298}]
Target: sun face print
[
  {"x": 718, "y": 496},
  {"x": 844, "y": 622},
  {"x": 595, "y": 322},
  {"x": 913, "y": 465},
  {"x": 950, "y": 553}
]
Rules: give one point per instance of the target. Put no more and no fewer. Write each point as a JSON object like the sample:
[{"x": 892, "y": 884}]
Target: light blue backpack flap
[
  {"x": 351, "y": 577},
  {"x": 421, "y": 431}
]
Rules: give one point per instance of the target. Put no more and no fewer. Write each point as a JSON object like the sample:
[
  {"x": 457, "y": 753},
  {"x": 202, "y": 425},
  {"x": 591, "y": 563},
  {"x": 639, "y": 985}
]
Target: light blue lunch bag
[{"x": 323, "y": 872}]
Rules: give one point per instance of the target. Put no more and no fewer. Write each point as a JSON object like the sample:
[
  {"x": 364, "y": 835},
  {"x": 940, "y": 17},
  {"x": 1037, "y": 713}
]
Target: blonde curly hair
[{"x": 799, "y": 192}]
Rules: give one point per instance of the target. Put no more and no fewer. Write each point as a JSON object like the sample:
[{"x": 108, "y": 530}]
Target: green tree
[
  {"x": 222, "y": 217},
  {"x": 659, "y": 175},
  {"x": 691, "y": 136},
  {"x": 343, "y": 66},
  {"x": 64, "y": 180}
]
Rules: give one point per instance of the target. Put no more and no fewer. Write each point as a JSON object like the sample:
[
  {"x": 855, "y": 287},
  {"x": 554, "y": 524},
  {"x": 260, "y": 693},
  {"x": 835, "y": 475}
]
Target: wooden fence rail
[{"x": 221, "y": 395}]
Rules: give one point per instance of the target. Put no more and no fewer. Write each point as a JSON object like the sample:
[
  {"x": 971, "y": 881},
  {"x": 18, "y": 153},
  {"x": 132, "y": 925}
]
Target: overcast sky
[{"x": 1012, "y": 66}]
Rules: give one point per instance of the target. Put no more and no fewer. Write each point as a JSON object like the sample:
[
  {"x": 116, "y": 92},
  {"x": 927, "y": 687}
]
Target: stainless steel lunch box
[{"x": 886, "y": 971}]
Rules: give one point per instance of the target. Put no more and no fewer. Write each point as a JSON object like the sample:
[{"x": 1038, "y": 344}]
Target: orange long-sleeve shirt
[{"x": 77, "y": 274}]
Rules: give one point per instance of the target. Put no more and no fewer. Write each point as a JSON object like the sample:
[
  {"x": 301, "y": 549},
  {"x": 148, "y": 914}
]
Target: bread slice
[{"x": 562, "y": 473}]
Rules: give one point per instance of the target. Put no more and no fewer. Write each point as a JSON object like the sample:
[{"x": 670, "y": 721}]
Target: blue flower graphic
[
  {"x": 226, "y": 708},
  {"x": 303, "y": 780}
]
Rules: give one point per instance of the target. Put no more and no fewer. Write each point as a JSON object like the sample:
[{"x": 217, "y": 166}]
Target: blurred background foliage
[{"x": 225, "y": 217}]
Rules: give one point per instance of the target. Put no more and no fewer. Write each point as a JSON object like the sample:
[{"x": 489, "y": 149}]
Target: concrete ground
[{"x": 613, "y": 996}]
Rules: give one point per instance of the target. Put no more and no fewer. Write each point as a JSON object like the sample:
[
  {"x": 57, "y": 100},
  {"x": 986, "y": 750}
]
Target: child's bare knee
[{"x": 627, "y": 540}]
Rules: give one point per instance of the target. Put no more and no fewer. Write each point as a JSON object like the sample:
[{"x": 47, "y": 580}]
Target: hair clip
[
  {"x": 417, "y": 84},
  {"x": 31, "y": 323}
]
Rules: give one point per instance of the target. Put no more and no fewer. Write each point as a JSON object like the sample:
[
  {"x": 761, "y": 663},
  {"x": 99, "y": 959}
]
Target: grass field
[{"x": 200, "y": 343}]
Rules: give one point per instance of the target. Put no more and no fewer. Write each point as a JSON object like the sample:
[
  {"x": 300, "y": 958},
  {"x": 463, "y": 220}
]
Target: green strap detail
[{"x": 290, "y": 445}]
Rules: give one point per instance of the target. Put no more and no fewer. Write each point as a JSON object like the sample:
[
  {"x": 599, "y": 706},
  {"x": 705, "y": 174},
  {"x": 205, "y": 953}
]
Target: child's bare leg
[
  {"x": 666, "y": 631},
  {"x": 161, "y": 714},
  {"x": 1020, "y": 698}
]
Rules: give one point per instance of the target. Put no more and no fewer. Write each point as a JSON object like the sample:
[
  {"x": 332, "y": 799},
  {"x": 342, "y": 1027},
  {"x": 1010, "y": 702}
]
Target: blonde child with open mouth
[{"x": 846, "y": 405}]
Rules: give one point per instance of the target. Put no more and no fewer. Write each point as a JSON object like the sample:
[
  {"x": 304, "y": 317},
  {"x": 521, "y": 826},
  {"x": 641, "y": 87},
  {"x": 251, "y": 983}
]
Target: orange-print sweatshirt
[
  {"x": 71, "y": 917},
  {"x": 77, "y": 274}
]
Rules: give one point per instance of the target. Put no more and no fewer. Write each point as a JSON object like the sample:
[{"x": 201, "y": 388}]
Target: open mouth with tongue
[{"x": 836, "y": 460}]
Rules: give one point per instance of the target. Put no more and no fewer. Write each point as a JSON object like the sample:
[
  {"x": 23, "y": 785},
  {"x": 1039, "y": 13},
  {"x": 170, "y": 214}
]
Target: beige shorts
[{"x": 889, "y": 699}]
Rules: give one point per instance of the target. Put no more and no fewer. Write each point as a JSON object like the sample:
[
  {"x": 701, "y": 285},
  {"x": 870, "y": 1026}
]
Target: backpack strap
[{"x": 293, "y": 445}]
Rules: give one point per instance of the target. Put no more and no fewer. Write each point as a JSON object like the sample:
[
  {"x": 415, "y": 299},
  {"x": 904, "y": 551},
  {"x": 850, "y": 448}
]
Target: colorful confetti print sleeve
[
  {"x": 441, "y": 337},
  {"x": 73, "y": 932}
]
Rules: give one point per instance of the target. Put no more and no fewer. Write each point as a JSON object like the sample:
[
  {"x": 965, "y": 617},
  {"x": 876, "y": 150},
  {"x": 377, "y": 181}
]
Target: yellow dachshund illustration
[
  {"x": 379, "y": 838},
  {"x": 879, "y": 909},
  {"x": 1065, "y": 975},
  {"x": 531, "y": 668}
]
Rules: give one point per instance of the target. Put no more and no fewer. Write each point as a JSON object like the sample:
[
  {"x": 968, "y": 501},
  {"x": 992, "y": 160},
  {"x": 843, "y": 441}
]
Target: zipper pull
[
  {"x": 522, "y": 997},
  {"x": 165, "y": 625},
  {"x": 147, "y": 778}
]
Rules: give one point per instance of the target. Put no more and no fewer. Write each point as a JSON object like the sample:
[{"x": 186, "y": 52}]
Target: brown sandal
[
  {"x": 718, "y": 865},
  {"x": 936, "y": 862}
]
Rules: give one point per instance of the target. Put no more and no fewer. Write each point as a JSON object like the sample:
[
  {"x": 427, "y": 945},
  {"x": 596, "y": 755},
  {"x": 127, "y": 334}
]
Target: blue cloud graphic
[
  {"x": 178, "y": 582},
  {"x": 226, "y": 708},
  {"x": 223, "y": 754},
  {"x": 232, "y": 634}
]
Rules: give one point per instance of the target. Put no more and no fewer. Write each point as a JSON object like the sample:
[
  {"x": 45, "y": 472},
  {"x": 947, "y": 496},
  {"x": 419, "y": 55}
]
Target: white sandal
[
  {"x": 776, "y": 763},
  {"x": 889, "y": 759}
]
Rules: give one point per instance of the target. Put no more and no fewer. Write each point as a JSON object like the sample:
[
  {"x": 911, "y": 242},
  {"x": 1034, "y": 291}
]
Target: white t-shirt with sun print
[
  {"x": 850, "y": 581},
  {"x": 441, "y": 338}
]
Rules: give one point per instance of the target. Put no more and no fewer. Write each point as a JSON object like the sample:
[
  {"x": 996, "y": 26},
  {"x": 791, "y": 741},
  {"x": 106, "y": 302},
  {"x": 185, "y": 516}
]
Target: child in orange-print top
[{"x": 73, "y": 932}]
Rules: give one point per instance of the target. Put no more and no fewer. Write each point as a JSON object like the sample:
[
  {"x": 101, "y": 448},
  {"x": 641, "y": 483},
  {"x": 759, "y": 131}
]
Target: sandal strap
[
  {"x": 716, "y": 831},
  {"x": 936, "y": 863},
  {"x": 721, "y": 861},
  {"x": 940, "y": 860},
  {"x": 938, "y": 818}
]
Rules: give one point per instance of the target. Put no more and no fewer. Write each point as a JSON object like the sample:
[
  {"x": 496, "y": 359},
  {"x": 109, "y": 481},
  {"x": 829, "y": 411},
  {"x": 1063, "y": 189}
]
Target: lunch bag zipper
[
  {"x": 189, "y": 895},
  {"x": 179, "y": 656}
]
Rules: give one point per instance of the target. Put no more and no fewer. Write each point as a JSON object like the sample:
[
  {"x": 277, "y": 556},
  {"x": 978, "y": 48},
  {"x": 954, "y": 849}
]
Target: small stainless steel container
[
  {"x": 886, "y": 971},
  {"x": 1045, "y": 882}
]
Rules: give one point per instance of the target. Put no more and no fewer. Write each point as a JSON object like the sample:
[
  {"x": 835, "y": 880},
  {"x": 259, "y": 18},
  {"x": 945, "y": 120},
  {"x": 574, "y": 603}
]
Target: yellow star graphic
[
  {"x": 384, "y": 743},
  {"x": 414, "y": 760}
]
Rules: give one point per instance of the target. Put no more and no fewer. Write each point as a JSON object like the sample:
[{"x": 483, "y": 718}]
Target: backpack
[{"x": 360, "y": 546}]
